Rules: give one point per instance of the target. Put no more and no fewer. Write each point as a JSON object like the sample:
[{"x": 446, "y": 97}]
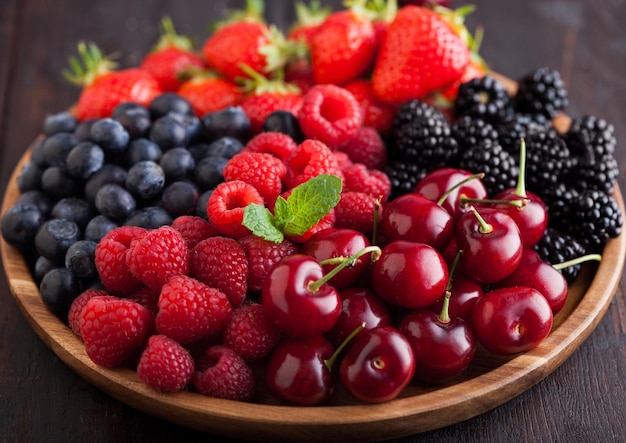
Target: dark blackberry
[
  {"x": 558, "y": 199},
  {"x": 469, "y": 131},
  {"x": 520, "y": 126},
  {"x": 558, "y": 247},
  {"x": 485, "y": 98},
  {"x": 500, "y": 168},
  {"x": 548, "y": 160},
  {"x": 421, "y": 135},
  {"x": 541, "y": 92},
  {"x": 403, "y": 177},
  {"x": 595, "y": 218}
]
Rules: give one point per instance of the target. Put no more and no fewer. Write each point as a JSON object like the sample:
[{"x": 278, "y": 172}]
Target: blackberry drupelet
[
  {"x": 520, "y": 126},
  {"x": 558, "y": 247},
  {"x": 595, "y": 218},
  {"x": 558, "y": 199},
  {"x": 500, "y": 167},
  {"x": 403, "y": 177},
  {"x": 484, "y": 98},
  {"x": 469, "y": 131},
  {"x": 547, "y": 160},
  {"x": 541, "y": 92}
]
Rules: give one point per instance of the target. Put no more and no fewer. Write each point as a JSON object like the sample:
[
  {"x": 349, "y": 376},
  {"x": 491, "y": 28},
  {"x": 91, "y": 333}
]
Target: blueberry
[
  {"x": 57, "y": 183},
  {"x": 109, "y": 173},
  {"x": 192, "y": 124},
  {"x": 115, "y": 202},
  {"x": 169, "y": 132},
  {"x": 85, "y": 159},
  {"x": 59, "y": 122},
  {"x": 57, "y": 146},
  {"x": 58, "y": 288},
  {"x": 98, "y": 227},
  {"x": 54, "y": 237},
  {"x": 286, "y": 123},
  {"x": 226, "y": 147},
  {"x": 199, "y": 151},
  {"x": 42, "y": 266},
  {"x": 37, "y": 155},
  {"x": 231, "y": 121},
  {"x": 180, "y": 198},
  {"x": 110, "y": 135},
  {"x": 29, "y": 178},
  {"x": 80, "y": 259},
  {"x": 201, "y": 205},
  {"x": 140, "y": 150},
  {"x": 169, "y": 102},
  {"x": 83, "y": 130},
  {"x": 20, "y": 223},
  {"x": 75, "y": 209},
  {"x": 150, "y": 217},
  {"x": 209, "y": 172},
  {"x": 177, "y": 163},
  {"x": 134, "y": 117},
  {"x": 145, "y": 180},
  {"x": 38, "y": 199}
]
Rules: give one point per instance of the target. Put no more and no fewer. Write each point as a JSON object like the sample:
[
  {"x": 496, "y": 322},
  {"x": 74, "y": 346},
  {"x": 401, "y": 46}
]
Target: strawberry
[
  {"x": 208, "y": 92},
  {"x": 421, "y": 53},
  {"x": 103, "y": 88},
  {"x": 308, "y": 20},
  {"x": 172, "y": 54}
]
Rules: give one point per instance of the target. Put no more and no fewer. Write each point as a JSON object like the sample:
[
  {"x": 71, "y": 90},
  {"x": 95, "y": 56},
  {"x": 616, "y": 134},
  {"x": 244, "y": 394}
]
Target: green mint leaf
[
  {"x": 260, "y": 221},
  {"x": 309, "y": 202},
  {"x": 282, "y": 213}
]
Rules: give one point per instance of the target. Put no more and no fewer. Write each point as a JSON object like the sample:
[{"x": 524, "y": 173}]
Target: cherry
[
  {"x": 491, "y": 242},
  {"x": 465, "y": 293},
  {"x": 511, "y": 320},
  {"x": 410, "y": 275},
  {"x": 378, "y": 365},
  {"x": 359, "y": 306}
]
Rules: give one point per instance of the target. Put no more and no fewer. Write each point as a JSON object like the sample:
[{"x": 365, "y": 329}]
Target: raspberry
[
  {"x": 377, "y": 114},
  {"x": 358, "y": 178},
  {"x": 263, "y": 171},
  {"x": 226, "y": 205},
  {"x": 271, "y": 142},
  {"x": 110, "y": 260},
  {"x": 193, "y": 228},
  {"x": 157, "y": 256},
  {"x": 190, "y": 310},
  {"x": 250, "y": 332},
  {"x": 147, "y": 298},
  {"x": 366, "y": 147},
  {"x": 262, "y": 256},
  {"x": 77, "y": 306},
  {"x": 165, "y": 364},
  {"x": 328, "y": 221},
  {"x": 343, "y": 160},
  {"x": 310, "y": 159},
  {"x": 222, "y": 373},
  {"x": 221, "y": 262},
  {"x": 331, "y": 114},
  {"x": 356, "y": 210},
  {"x": 113, "y": 328}
]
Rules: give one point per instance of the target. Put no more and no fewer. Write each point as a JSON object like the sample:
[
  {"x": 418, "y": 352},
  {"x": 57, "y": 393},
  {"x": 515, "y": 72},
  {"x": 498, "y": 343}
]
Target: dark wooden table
[{"x": 41, "y": 399}]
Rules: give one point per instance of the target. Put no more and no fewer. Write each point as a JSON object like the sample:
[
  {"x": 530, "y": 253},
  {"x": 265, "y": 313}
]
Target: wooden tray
[{"x": 488, "y": 383}]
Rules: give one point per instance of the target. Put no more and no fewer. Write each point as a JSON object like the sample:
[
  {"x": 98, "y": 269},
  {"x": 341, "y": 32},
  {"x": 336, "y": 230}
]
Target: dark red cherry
[{"x": 465, "y": 293}]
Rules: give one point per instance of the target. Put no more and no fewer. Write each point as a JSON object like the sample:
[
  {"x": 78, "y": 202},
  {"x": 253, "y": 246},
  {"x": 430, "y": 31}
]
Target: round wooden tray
[{"x": 489, "y": 382}]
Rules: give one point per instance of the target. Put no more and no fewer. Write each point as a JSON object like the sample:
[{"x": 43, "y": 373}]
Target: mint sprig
[{"x": 307, "y": 204}]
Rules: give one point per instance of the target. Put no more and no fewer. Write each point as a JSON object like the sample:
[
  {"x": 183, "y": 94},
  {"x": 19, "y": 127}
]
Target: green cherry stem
[
  {"x": 577, "y": 261},
  {"x": 330, "y": 362},
  {"x": 343, "y": 262},
  {"x": 520, "y": 189},
  {"x": 446, "y": 194},
  {"x": 376, "y": 213},
  {"x": 444, "y": 316},
  {"x": 464, "y": 200},
  {"x": 485, "y": 228}
]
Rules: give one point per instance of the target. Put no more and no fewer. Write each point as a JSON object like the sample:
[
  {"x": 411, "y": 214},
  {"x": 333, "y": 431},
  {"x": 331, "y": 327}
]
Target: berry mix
[{"x": 312, "y": 212}]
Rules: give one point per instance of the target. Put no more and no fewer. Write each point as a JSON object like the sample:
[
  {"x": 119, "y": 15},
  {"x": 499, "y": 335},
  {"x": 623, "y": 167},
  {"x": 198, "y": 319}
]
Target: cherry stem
[
  {"x": 520, "y": 190},
  {"x": 577, "y": 261},
  {"x": 485, "y": 228},
  {"x": 458, "y": 185},
  {"x": 330, "y": 362},
  {"x": 342, "y": 262},
  {"x": 493, "y": 201},
  {"x": 444, "y": 316},
  {"x": 376, "y": 212}
]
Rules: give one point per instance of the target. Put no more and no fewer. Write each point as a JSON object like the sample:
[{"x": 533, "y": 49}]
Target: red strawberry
[
  {"x": 207, "y": 92},
  {"x": 103, "y": 88},
  {"x": 421, "y": 53},
  {"x": 165, "y": 364},
  {"x": 308, "y": 20},
  {"x": 171, "y": 55}
]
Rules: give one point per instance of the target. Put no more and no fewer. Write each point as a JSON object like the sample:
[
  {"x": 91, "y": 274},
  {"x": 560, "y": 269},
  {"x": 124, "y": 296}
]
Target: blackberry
[
  {"x": 469, "y": 131},
  {"x": 548, "y": 160},
  {"x": 595, "y": 218},
  {"x": 499, "y": 166},
  {"x": 520, "y": 126},
  {"x": 421, "y": 135},
  {"x": 403, "y": 177},
  {"x": 558, "y": 199},
  {"x": 558, "y": 247},
  {"x": 541, "y": 92},
  {"x": 485, "y": 98}
]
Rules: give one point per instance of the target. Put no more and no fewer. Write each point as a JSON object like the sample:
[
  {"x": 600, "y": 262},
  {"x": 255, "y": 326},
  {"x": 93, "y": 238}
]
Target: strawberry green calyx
[
  {"x": 170, "y": 38},
  {"x": 252, "y": 12},
  {"x": 89, "y": 64},
  {"x": 257, "y": 83},
  {"x": 279, "y": 50},
  {"x": 311, "y": 15},
  {"x": 384, "y": 10}
]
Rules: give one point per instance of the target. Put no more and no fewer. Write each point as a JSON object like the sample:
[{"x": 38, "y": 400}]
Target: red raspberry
[
  {"x": 262, "y": 256},
  {"x": 343, "y": 160},
  {"x": 276, "y": 143},
  {"x": 226, "y": 205},
  {"x": 146, "y": 297},
  {"x": 193, "y": 229},
  {"x": 190, "y": 310},
  {"x": 110, "y": 260},
  {"x": 356, "y": 210},
  {"x": 358, "y": 178},
  {"x": 366, "y": 147},
  {"x": 222, "y": 373},
  {"x": 329, "y": 113},
  {"x": 221, "y": 262},
  {"x": 250, "y": 332},
  {"x": 263, "y": 171},
  {"x": 310, "y": 159},
  {"x": 77, "y": 306},
  {"x": 165, "y": 364},
  {"x": 328, "y": 221},
  {"x": 157, "y": 256},
  {"x": 377, "y": 114},
  {"x": 113, "y": 328}
]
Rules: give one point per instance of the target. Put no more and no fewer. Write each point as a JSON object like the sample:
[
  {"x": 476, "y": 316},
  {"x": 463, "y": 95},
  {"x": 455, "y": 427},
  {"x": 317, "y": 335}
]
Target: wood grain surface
[{"x": 43, "y": 399}]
